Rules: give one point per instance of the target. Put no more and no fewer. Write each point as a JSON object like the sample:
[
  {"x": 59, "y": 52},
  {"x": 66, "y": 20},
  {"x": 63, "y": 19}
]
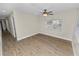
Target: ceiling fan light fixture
[{"x": 45, "y": 14}]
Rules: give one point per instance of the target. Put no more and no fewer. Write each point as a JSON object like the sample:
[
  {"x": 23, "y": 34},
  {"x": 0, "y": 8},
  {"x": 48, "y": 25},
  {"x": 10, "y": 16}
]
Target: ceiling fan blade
[{"x": 50, "y": 12}]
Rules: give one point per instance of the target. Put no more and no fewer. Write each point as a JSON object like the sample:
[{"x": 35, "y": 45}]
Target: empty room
[{"x": 39, "y": 29}]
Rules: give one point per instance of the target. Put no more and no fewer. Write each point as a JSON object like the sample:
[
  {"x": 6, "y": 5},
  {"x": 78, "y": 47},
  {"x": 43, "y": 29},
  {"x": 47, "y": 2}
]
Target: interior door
[{"x": 13, "y": 26}]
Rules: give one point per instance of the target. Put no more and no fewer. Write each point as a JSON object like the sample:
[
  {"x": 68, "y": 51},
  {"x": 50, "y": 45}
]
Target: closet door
[
  {"x": 10, "y": 24},
  {"x": 0, "y": 40},
  {"x": 13, "y": 26},
  {"x": 3, "y": 24}
]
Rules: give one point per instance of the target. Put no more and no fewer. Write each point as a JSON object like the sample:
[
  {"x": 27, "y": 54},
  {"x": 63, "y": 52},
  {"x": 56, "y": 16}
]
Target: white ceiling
[{"x": 35, "y": 8}]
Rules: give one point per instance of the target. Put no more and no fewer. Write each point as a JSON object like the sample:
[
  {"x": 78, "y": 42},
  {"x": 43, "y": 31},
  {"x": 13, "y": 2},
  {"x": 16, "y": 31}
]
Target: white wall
[
  {"x": 26, "y": 25},
  {"x": 68, "y": 17}
]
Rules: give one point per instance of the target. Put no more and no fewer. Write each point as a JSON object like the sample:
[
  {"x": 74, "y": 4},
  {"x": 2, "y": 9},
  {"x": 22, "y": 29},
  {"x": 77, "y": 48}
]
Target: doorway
[{"x": 8, "y": 28}]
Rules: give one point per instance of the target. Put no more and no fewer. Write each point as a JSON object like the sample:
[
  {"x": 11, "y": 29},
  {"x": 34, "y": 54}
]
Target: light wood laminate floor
[{"x": 37, "y": 45}]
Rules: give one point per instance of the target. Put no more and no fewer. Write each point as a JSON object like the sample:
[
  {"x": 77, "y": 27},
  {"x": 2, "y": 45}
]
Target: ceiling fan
[{"x": 46, "y": 13}]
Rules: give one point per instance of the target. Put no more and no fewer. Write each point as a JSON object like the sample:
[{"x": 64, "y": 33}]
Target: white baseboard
[
  {"x": 57, "y": 36},
  {"x": 18, "y": 39}
]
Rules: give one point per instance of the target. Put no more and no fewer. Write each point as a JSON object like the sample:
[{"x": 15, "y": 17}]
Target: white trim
[
  {"x": 57, "y": 36},
  {"x": 18, "y": 39}
]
